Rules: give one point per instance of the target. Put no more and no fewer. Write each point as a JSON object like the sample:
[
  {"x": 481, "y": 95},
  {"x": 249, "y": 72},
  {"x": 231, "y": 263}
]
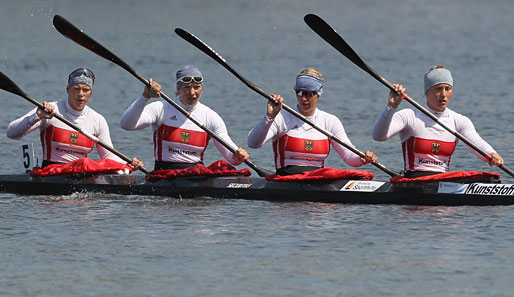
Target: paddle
[
  {"x": 218, "y": 58},
  {"x": 70, "y": 31},
  {"x": 8, "y": 85},
  {"x": 326, "y": 32}
]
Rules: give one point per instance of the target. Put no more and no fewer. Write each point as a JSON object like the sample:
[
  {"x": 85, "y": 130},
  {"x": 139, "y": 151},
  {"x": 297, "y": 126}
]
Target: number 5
[{"x": 27, "y": 157}]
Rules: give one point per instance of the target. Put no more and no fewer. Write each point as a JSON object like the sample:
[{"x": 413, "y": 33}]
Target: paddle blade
[
  {"x": 333, "y": 38},
  {"x": 7, "y": 84},
  {"x": 204, "y": 47},
  {"x": 69, "y": 31}
]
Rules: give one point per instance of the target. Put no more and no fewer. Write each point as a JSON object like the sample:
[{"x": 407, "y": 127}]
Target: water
[{"x": 94, "y": 245}]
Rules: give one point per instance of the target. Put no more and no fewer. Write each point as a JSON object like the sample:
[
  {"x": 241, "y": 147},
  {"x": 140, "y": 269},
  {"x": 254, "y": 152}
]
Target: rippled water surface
[{"x": 98, "y": 245}]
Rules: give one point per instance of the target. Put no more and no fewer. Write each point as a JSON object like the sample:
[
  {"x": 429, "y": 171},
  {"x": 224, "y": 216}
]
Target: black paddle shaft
[
  {"x": 78, "y": 36},
  {"x": 333, "y": 38},
  {"x": 7, "y": 84},
  {"x": 198, "y": 43}
]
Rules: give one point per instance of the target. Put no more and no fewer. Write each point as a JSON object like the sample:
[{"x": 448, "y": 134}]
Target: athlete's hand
[
  {"x": 135, "y": 164},
  {"x": 370, "y": 158},
  {"x": 241, "y": 155},
  {"x": 275, "y": 106},
  {"x": 154, "y": 91},
  {"x": 395, "y": 97},
  {"x": 496, "y": 160},
  {"x": 47, "y": 113}
]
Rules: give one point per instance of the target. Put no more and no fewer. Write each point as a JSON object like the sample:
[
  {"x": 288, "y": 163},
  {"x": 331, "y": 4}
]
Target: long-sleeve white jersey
[
  {"x": 426, "y": 145},
  {"x": 176, "y": 138},
  {"x": 61, "y": 143},
  {"x": 298, "y": 143}
]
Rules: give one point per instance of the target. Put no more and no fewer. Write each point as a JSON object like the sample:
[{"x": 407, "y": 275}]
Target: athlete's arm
[{"x": 139, "y": 115}]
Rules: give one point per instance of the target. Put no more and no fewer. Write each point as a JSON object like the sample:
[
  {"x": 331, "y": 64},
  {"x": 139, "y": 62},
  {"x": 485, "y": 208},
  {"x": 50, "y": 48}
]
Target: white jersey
[
  {"x": 60, "y": 142},
  {"x": 176, "y": 138},
  {"x": 298, "y": 143},
  {"x": 426, "y": 145}
]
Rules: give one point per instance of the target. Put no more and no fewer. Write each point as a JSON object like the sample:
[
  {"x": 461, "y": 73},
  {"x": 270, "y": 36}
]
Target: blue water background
[{"x": 102, "y": 245}]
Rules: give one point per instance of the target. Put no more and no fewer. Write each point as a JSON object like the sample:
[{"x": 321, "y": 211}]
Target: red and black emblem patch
[
  {"x": 185, "y": 136},
  {"x": 436, "y": 147},
  {"x": 309, "y": 145},
  {"x": 74, "y": 137}
]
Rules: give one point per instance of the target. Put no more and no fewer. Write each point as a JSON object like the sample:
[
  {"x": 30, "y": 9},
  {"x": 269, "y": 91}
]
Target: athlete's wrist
[{"x": 391, "y": 107}]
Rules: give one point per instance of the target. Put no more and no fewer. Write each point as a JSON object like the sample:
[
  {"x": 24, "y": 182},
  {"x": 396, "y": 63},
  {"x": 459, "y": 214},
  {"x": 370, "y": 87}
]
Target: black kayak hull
[{"x": 256, "y": 188}]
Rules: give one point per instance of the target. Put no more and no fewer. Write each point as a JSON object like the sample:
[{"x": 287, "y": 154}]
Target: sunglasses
[
  {"x": 306, "y": 94},
  {"x": 82, "y": 71},
  {"x": 190, "y": 79}
]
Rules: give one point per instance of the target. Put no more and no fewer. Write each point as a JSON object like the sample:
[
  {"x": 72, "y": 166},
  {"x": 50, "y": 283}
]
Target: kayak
[{"x": 258, "y": 188}]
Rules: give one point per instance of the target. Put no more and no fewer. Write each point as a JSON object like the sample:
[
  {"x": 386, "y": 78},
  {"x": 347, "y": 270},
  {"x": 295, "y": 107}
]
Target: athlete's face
[
  {"x": 78, "y": 96},
  {"x": 307, "y": 102},
  {"x": 438, "y": 97},
  {"x": 189, "y": 94}
]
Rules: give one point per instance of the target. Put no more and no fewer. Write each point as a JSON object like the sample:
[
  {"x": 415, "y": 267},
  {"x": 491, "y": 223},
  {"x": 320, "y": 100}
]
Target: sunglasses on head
[
  {"x": 82, "y": 71},
  {"x": 190, "y": 79},
  {"x": 306, "y": 94}
]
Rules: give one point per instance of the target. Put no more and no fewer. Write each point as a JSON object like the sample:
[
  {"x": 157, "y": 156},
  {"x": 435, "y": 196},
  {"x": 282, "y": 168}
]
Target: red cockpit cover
[
  {"x": 323, "y": 174},
  {"x": 80, "y": 166},
  {"x": 446, "y": 176},
  {"x": 218, "y": 168}
]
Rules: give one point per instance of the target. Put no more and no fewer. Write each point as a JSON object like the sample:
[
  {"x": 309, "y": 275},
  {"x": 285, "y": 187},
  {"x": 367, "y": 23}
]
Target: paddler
[
  {"x": 427, "y": 147},
  {"x": 60, "y": 144},
  {"x": 178, "y": 142},
  {"x": 298, "y": 147}
]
